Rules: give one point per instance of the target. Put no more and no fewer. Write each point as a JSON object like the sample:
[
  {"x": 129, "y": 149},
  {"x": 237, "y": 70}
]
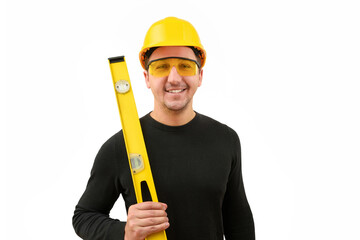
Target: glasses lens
[
  {"x": 162, "y": 67},
  {"x": 186, "y": 67}
]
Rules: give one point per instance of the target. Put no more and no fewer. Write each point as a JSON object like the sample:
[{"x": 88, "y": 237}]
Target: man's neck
[{"x": 173, "y": 118}]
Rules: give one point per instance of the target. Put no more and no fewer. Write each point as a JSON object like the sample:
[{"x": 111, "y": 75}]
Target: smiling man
[
  {"x": 195, "y": 160},
  {"x": 173, "y": 93}
]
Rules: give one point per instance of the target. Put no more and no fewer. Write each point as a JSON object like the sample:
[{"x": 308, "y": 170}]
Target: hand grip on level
[{"x": 134, "y": 140}]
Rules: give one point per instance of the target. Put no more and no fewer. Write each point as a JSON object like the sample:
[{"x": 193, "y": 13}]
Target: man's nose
[{"x": 174, "y": 76}]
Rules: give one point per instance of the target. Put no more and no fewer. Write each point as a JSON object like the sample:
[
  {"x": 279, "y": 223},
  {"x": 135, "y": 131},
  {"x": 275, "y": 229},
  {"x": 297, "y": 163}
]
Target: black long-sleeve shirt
[{"x": 197, "y": 173}]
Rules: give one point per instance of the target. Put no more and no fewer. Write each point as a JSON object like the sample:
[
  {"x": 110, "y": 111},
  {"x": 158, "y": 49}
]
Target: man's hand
[{"x": 144, "y": 219}]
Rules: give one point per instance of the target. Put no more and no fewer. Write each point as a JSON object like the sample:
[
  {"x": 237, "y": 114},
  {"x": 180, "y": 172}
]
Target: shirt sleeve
[
  {"x": 237, "y": 216},
  {"x": 91, "y": 219}
]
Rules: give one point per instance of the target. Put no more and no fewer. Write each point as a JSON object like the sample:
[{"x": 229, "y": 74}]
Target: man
[{"x": 195, "y": 160}]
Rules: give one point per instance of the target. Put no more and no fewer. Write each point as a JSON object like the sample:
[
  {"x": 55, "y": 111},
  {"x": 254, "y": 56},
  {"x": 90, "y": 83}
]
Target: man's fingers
[
  {"x": 144, "y": 228},
  {"x": 150, "y": 206},
  {"x": 147, "y": 210},
  {"x": 151, "y": 214},
  {"x": 155, "y": 228},
  {"x": 152, "y": 221}
]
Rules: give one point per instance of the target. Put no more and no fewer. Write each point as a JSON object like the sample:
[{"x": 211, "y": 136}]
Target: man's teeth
[{"x": 176, "y": 91}]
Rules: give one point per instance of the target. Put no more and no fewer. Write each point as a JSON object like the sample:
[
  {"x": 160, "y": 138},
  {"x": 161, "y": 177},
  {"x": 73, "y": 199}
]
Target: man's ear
[
  {"x": 146, "y": 76},
  {"x": 200, "y": 77}
]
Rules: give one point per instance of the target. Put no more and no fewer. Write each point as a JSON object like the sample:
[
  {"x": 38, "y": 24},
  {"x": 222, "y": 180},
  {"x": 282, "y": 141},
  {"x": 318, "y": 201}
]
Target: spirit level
[{"x": 134, "y": 140}]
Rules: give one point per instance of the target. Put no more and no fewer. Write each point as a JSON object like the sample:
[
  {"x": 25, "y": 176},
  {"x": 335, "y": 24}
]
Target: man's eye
[
  {"x": 162, "y": 66},
  {"x": 185, "y": 66}
]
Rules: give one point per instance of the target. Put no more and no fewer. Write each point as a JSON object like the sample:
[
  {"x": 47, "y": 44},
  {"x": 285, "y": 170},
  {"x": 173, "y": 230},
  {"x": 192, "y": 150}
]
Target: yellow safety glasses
[{"x": 162, "y": 67}]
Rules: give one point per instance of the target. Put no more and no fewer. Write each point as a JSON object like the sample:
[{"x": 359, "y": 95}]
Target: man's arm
[
  {"x": 237, "y": 216},
  {"x": 92, "y": 225},
  {"x": 91, "y": 219}
]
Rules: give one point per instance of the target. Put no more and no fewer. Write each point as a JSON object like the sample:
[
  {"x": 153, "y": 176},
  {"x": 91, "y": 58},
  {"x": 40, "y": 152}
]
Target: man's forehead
[{"x": 173, "y": 51}]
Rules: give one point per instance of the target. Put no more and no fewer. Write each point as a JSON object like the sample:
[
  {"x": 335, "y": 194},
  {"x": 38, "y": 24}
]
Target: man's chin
[{"x": 176, "y": 107}]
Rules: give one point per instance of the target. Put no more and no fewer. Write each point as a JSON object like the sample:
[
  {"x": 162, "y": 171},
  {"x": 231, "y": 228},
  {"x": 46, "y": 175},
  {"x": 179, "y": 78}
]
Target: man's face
[{"x": 173, "y": 92}]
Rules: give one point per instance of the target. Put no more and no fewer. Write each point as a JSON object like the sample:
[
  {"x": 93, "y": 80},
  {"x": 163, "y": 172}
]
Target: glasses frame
[{"x": 192, "y": 60}]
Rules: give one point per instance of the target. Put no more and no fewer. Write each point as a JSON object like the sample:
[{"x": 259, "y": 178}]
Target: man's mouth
[{"x": 175, "y": 90}]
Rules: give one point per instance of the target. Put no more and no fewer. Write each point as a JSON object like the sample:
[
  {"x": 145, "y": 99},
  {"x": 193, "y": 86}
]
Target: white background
[{"x": 283, "y": 74}]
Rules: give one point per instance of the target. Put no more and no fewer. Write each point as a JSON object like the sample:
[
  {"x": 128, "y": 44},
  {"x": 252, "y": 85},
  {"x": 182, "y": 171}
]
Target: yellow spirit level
[{"x": 134, "y": 140}]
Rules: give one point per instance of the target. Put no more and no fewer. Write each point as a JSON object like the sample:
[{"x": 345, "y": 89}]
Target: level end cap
[{"x": 116, "y": 59}]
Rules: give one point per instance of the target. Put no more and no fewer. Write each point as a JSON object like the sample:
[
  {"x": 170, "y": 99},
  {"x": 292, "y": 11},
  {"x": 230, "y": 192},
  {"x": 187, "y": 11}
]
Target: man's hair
[
  {"x": 147, "y": 56},
  {"x": 151, "y": 50}
]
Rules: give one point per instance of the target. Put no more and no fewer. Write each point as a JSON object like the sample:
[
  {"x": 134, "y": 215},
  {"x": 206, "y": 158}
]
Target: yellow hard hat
[{"x": 172, "y": 31}]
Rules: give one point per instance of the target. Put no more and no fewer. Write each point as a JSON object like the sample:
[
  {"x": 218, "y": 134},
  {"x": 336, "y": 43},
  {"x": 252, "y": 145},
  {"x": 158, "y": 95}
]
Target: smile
[{"x": 175, "y": 91}]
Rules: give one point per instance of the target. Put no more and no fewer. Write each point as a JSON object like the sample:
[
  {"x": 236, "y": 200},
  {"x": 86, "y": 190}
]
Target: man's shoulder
[
  {"x": 114, "y": 141},
  {"x": 204, "y": 119},
  {"x": 216, "y": 125},
  {"x": 207, "y": 119}
]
